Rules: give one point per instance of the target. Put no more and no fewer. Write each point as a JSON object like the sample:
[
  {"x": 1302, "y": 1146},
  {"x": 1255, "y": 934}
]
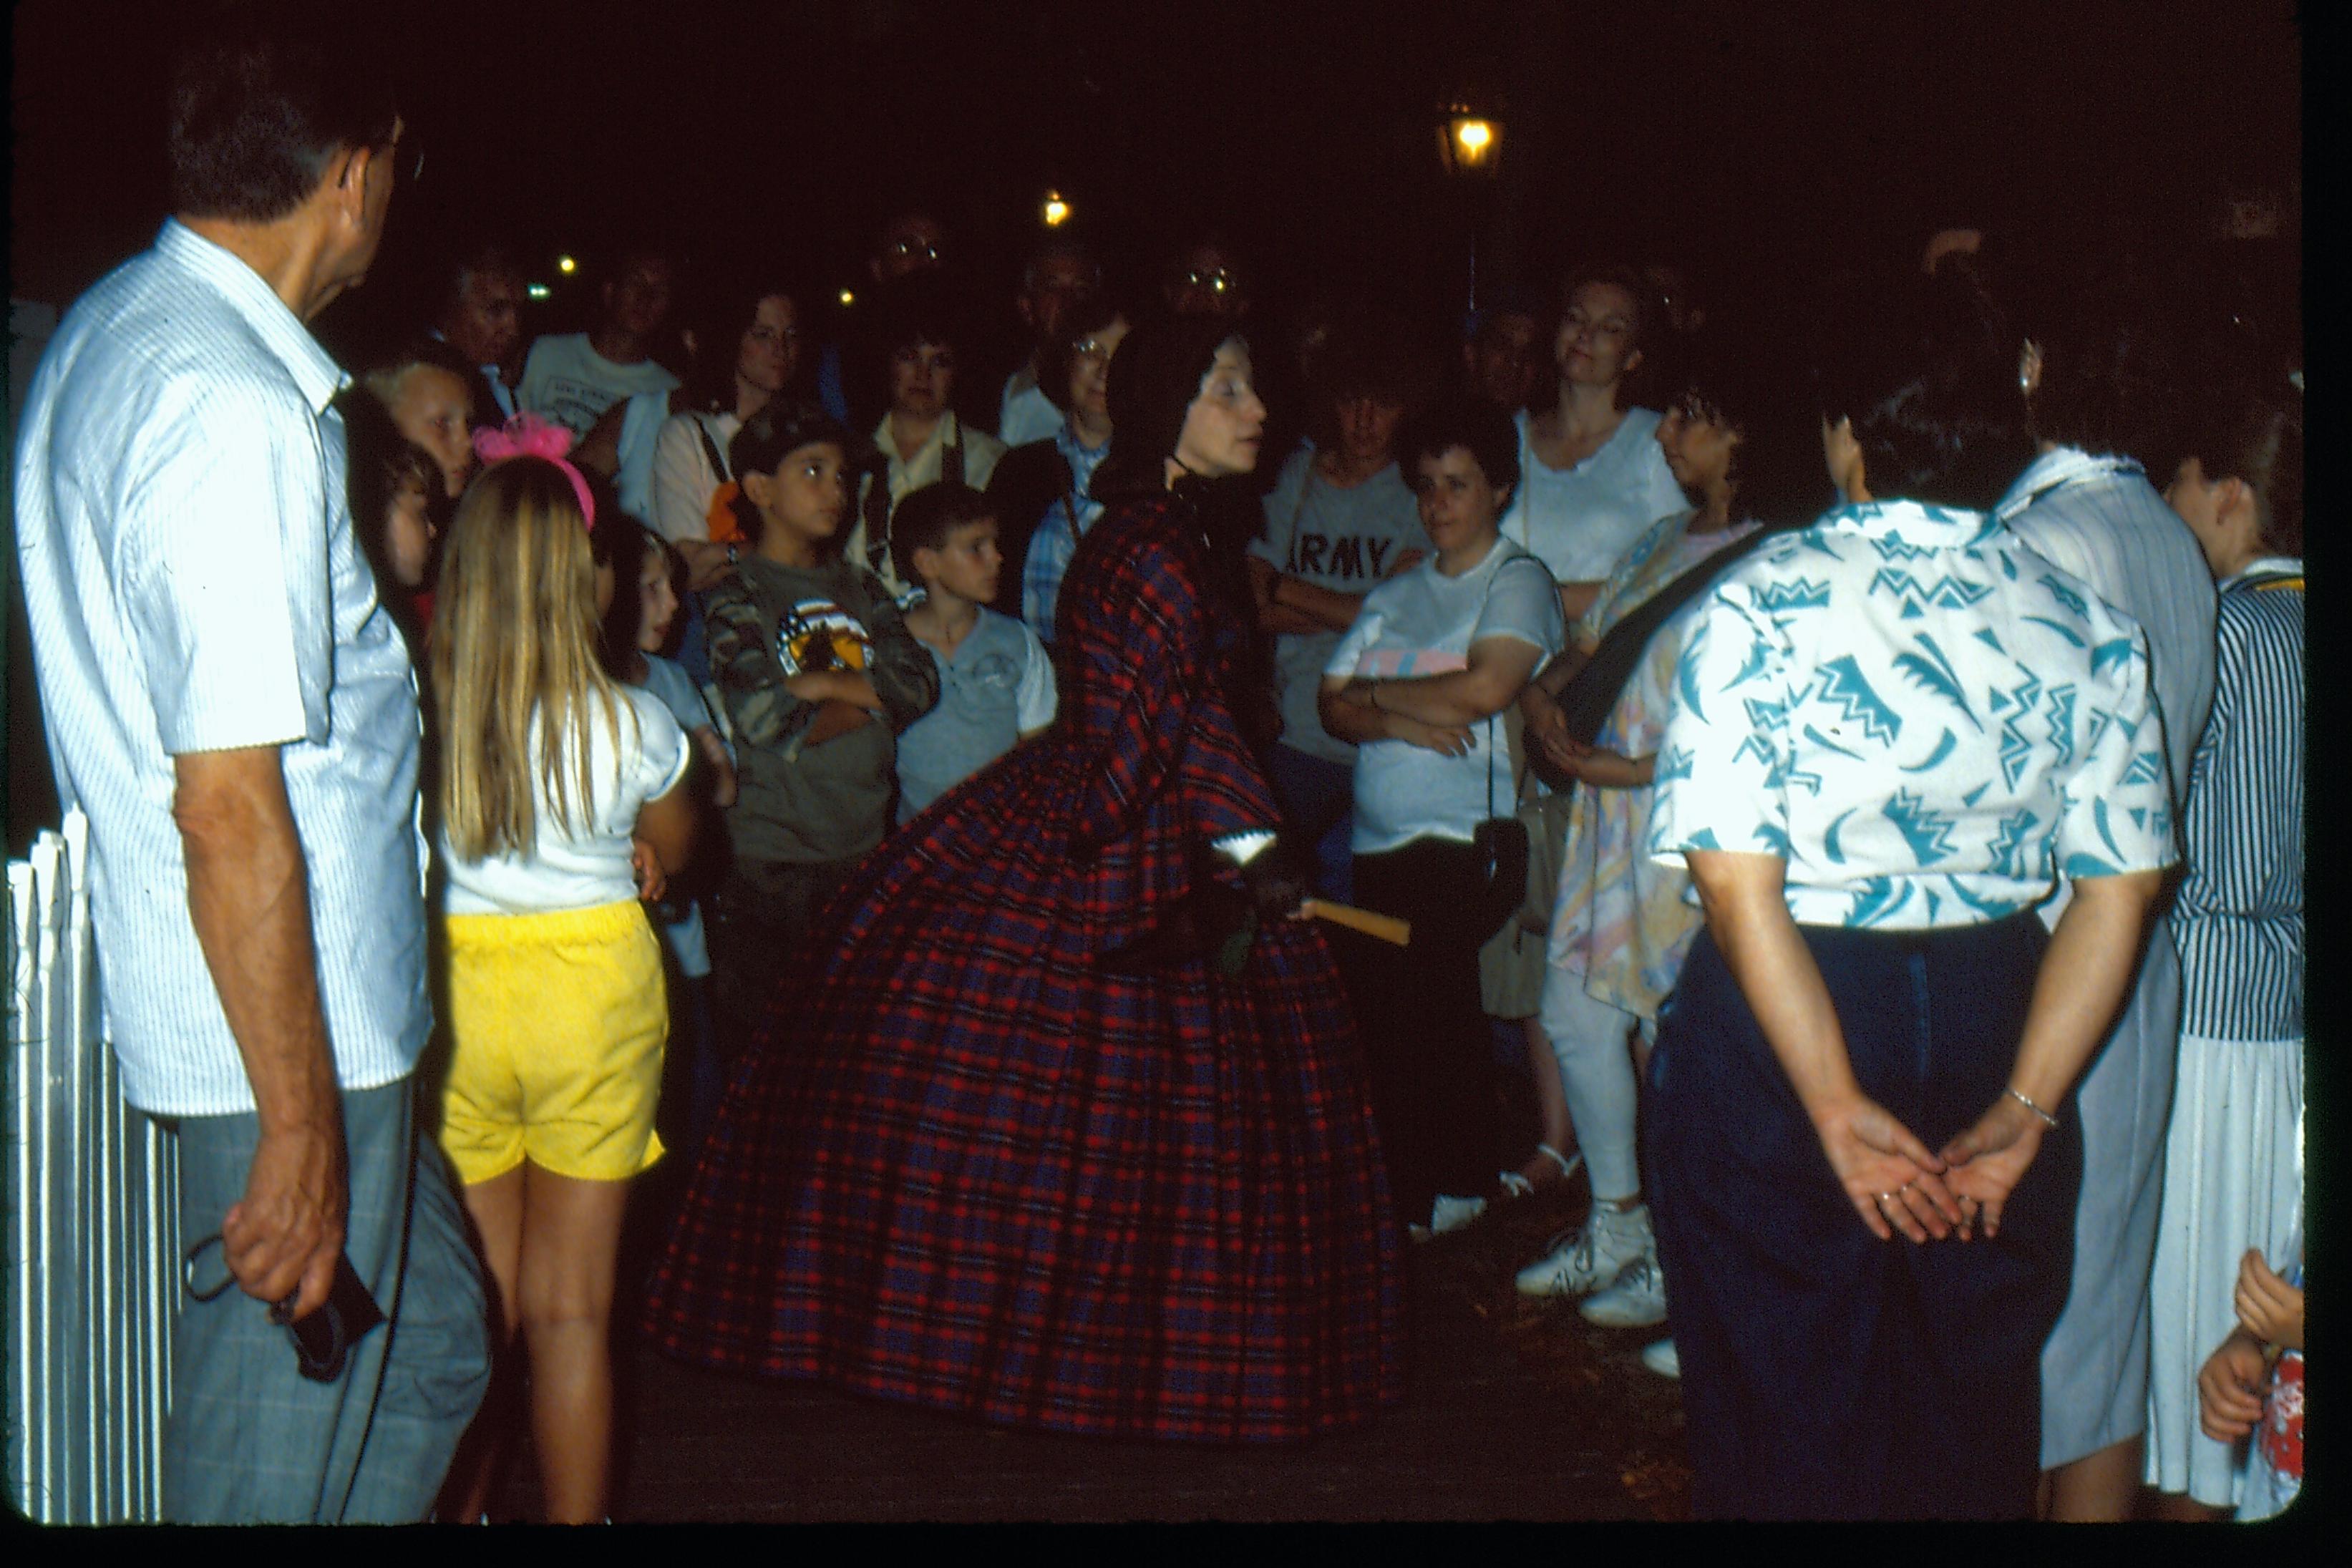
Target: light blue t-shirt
[
  {"x": 1347, "y": 541},
  {"x": 997, "y": 688},
  {"x": 1425, "y": 624},
  {"x": 1578, "y": 521}
]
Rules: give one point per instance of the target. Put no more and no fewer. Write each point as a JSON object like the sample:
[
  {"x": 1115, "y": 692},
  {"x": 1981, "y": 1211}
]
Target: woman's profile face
[
  {"x": 1226, "y": 421},
  {"x": 770, "y": 350},
  {"x": 1595, "y": 345},
  {"x": 1090, "y": 368},
  {"x": 1697, "y": 443}
]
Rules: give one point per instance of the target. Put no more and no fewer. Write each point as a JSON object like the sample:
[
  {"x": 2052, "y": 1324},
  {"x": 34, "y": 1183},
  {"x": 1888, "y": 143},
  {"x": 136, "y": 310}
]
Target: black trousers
[
  {"x": 1826, "y": 1374},
  {"x": 1425, "y": 1034}
]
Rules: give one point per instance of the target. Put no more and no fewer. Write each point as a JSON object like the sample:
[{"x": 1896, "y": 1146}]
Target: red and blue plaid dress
[{"x": 967, "y": 1167}]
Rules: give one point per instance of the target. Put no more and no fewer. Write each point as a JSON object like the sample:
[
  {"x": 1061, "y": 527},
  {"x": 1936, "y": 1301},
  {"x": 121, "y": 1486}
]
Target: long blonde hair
[{"x": 515, "y": 636}]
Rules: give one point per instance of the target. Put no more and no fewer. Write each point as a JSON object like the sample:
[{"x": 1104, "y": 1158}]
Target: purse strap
[
  {"x": 710, "y": 450},
  {"x": 1589, "y": 699}
]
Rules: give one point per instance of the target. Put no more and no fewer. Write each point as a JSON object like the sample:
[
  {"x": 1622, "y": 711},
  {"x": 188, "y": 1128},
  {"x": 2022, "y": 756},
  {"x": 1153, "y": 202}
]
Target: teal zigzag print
[
  {"x": 2015, "y": 749},
  {"x": 1802, "y": 594},
  {"x": 1842, "y": 682},
  {"x": 2062, "y": 722},
  {"x": 1929, "y": 834},
  {"x": 1946, "y": 592},
  {"x": 2008, "y": 841}
]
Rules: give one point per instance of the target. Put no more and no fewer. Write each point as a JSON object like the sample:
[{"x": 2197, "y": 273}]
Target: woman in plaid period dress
[{"x": 972, "y": 1168}]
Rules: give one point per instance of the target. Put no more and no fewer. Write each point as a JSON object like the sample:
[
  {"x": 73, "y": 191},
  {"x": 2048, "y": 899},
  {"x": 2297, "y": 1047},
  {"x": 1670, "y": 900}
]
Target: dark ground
[{"x": 1514, "y": 1409}]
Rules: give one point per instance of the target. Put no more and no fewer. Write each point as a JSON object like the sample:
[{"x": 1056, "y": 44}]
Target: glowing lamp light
[
  {"x": 1057, "y": 211},
  {"x": 565, "y": 264},
  {"x": 848, "y": 298},
  {"x": 1469, "y": 142},
  {"x": 536, "y": 291}
]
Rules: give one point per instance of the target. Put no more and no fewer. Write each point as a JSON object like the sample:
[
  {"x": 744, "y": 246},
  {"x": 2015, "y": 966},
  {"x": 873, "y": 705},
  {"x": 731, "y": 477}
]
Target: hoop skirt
[{"x": 966, "y": 1166}]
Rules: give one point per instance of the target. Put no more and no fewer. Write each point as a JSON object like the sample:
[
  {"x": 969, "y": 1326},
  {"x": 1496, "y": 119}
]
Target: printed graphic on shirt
[
  {"x": 1351, "y": 558},
  {"x": 2281, "y": 1439},
  {"x": 818, "y": 634},
  {"x": 574, "y": 404}
]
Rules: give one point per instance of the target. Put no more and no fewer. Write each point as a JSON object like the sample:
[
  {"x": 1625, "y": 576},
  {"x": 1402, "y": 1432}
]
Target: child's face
[
  {"x": 966, "y": 566},
  {"x": 659, "y": 598},
  {"x": 808, "y": 495},
  {"x": 408, "y": 533}
]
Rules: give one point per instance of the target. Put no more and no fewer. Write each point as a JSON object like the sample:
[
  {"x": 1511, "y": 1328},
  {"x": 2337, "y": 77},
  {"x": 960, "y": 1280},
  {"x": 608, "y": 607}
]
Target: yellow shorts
[{"x": 556, "y": 1027}]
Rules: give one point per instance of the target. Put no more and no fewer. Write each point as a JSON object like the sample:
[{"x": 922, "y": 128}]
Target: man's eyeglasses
[
  {"x": 912, "y": 248},
  {"x": 1218, "y": 281}
]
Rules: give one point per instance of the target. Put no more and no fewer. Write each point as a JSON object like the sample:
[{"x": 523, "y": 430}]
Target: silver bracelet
[{"x": 2048, "y": 1120}]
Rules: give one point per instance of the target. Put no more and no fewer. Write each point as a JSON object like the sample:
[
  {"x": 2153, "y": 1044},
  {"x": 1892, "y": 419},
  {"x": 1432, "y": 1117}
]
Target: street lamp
[
  {"x": 1470, "y": 146},
  {"x": 1057, "y": 211}
]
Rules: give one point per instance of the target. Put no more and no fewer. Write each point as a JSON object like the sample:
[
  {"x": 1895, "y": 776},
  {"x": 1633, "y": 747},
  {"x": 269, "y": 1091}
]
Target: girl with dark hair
[
  {"x": 1049, "y": 1137},
  {"x": 2233, "y": 1161},
  {"x": 399, "y": 510},
  {"x": 1620, "y": 923},
  {"x": 1591, "y": 476}
]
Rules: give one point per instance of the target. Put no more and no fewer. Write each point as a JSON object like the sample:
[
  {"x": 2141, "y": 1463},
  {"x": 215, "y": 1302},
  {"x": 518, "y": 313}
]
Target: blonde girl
[{"x": 549, "y": 774}]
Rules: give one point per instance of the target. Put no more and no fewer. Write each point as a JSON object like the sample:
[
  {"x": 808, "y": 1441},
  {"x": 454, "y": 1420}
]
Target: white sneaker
[
  {"x": 1611, "y": 1239},
  {"x": 1661, "y": 1359},
  {"x": 1636, "y": 1299}
]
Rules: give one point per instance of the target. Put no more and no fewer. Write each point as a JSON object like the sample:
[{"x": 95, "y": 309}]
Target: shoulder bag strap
[
  {"x": 710, "y": 449},
  {"x": 1590, "y": 697}
]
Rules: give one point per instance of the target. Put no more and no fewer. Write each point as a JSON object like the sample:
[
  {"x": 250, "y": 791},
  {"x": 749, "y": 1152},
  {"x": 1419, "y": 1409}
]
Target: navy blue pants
[{"x": 1826, "y": 1374}]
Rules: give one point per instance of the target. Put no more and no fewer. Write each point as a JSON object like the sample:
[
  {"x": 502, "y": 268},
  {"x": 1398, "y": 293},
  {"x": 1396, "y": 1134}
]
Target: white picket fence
[{"x": 93, "y": 1222}]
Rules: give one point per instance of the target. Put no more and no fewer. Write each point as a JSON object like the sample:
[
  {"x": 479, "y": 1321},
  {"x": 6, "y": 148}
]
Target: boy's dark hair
[
  {"x": 1478, "y": 427},
  {"x": 926, "y": 517},
  {"x": 262, "y": 95},
  {"x": 2257, "y": 437},
  {"x": 1932, "y": 392},
  {"x": 769, "y": 437}
]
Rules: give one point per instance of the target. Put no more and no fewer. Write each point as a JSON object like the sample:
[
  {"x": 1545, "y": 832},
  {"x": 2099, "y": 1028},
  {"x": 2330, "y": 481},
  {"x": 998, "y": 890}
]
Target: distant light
[
  {"x": 564, "y": 263},
  {"x": 1475, "y": 136},
  {"x": 848, "y": 298},
  {"x": 1057, "y": 211},
  {"x": 536, "y": 291}
]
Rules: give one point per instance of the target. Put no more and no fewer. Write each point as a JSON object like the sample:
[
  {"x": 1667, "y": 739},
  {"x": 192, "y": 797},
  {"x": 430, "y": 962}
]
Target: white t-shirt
[
  {"x": 1425, "y": 623},
  {"x": 1578, "y": 521},
  {"x": 575, "y": 869},
  {"x": 572, "y": 384},
  {"x": 683, "y": 478}
]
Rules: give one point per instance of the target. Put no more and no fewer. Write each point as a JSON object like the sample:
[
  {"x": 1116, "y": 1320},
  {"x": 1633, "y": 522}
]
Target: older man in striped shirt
[{"x": 236, "y": 715}]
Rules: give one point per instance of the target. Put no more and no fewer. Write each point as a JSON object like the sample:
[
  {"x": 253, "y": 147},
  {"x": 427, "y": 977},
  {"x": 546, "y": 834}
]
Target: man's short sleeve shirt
[{"x": 194, "y": 584}]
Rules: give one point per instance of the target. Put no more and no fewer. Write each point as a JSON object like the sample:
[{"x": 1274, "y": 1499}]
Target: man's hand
[
  {"x": 287, "y": 1230},
  {"x": 249, "y": 901}
]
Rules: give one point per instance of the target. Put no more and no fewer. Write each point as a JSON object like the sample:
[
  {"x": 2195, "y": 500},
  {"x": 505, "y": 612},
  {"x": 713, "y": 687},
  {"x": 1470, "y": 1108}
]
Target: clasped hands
[{"x": 1895, "y": 1183}]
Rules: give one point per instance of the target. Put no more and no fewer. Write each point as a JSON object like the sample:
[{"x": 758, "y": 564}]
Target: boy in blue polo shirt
[{"x": 996, "y": 683}]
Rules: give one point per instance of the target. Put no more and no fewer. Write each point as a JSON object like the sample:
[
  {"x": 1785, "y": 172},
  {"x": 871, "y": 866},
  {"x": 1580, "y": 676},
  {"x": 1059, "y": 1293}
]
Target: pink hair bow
[{"x": 528, "y": 435}]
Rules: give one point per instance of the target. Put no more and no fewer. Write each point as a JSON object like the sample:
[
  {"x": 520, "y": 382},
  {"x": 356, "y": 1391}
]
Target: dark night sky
[{"x": 1749, "y": 138}]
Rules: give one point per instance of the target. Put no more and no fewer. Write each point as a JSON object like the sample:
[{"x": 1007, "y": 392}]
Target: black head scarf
[{"x": 1154, "y": 379}]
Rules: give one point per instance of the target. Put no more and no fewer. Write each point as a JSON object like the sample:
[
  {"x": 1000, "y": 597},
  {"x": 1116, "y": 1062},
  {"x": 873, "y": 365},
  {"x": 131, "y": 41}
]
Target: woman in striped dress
[{"x": 2233, "y": 1176}]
